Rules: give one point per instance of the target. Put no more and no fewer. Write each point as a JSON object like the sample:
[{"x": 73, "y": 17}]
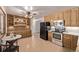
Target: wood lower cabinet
[
  {"x": 22, "y": 31},
  {"x": 28, "y": 33},
  {"x": 50, "y": 36},
  {"x": 70, "y": 41}
]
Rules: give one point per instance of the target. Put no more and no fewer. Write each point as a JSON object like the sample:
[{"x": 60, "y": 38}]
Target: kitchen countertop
[
  {"x": 72, "y": 33},
  {"x": 51, "y": 31},
  {"x": 66, "y": 32}
]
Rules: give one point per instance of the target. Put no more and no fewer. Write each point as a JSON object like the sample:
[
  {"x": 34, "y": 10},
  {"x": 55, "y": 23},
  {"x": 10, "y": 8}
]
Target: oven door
[{"x": 57, "y": 36}]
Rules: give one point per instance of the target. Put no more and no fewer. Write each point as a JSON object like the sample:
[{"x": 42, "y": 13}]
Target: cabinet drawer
[{"x": 67, "y": 36}]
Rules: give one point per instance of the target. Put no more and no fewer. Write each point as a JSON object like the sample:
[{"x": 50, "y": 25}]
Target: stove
[{"x": 57, "y": 35}]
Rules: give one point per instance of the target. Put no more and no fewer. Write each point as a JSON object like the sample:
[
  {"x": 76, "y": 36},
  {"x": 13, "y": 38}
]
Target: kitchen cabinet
[
  {"x": 70, "y": 41},
  {"x": 67, "y": 17},
  {"x": 20, "y": 30},
  {"x": 77, "y": 17},
  {"x": 21, "y": 25},
  {"x": 56, "y": 16},
  {"x": 28, "y": 33},
  {"x": 50, "y": 36},
  {"x": 52, "y": 19},
  {"x": 74, "y": 17},
  {"x": 70, "y": 16},
  {"x": 25, "y": 33},
  {"x": 60, "y": 16},
  {"x": 47, "y": 19},
  {"x": 10, "y": 20},
  {"x": 19, "y": 21}
]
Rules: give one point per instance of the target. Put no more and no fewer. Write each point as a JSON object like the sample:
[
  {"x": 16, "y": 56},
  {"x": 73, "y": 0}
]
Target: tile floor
[{"x": 36, "y": 44}]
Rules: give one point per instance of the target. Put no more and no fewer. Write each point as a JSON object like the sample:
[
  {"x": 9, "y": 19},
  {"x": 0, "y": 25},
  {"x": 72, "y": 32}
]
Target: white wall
[
  {"x": 1, "y": 24},
  {"x": 4, "y": 10},
  {"x": 35, "y": 25},
  {"x": 2, "y": 20}
]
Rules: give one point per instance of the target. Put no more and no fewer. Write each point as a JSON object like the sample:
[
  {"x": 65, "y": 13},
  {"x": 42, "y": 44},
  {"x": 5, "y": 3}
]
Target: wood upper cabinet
[
  {"x": 60, "y": 16},
  {"x": 52, "y": 19},
  {"x": 77, "y": 16},
  {"x": 47, "y": 19},
  {"x": 67, "y": 17},
  {"x": 10, "y": 20},
  {"x": 74, "y": 17},
  {"x": 56, "y": 16},
  {"x": 70, "y": 16}
]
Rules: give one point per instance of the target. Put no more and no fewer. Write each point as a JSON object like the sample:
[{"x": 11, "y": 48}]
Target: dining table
[{"x": 9, "y": 41}]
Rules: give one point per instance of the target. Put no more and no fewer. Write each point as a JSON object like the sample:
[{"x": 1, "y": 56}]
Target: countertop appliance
[{"x": 44, "y": 27}]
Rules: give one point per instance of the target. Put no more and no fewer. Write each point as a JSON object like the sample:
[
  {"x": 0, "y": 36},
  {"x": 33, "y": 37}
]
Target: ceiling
[{"x": 41, "y": 10}]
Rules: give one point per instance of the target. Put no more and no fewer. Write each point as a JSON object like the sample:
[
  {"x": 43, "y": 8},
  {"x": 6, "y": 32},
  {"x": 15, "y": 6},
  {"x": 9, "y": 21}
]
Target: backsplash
[
  {"x": 52, "y": 28},
  {"x": 72, "y": 29},
  {"x": 68, "y": 29}
]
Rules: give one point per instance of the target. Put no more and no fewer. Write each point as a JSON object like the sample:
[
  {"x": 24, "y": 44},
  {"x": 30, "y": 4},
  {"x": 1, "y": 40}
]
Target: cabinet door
[
  {"x": 78, "y": 17},
  {"x": 28, "y": 33},
  {"x": 51, "y": 20},
  {"x": 56, "y": 16},
  {"x": 60, "y": 16},
  {"x": 67, "y": 17},
  {"x": 67, "y": 43},
  {"x": 10, "y": 20},
  {"x": 67, "y": 40},
  {"x": 74, "y": 40},
  {"x": 50, "y": 36},
  {"x": 74, "y": 17},
  {"x": 47, "y": 19}
]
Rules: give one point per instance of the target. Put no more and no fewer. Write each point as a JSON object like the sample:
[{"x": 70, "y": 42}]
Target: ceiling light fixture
[
  {"x": 28, "y": 11},
  {"x": 28, "y": 8}
]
